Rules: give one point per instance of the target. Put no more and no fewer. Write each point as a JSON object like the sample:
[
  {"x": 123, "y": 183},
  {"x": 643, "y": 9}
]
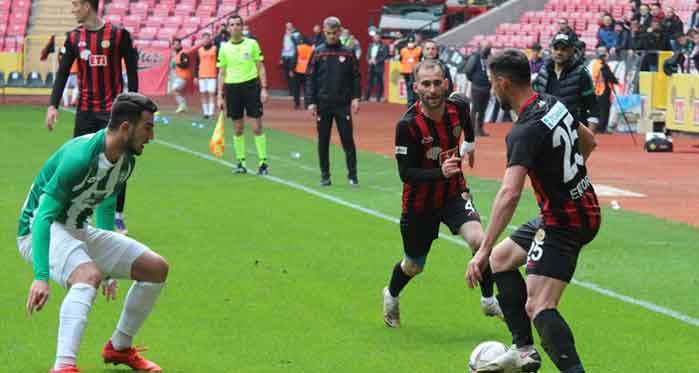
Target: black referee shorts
[
  {"x": 418, "y": 231},
  {"x": 551, "y": 251},
  {"x": 90, "y": 122},
  {"x": 243, "y": 98}
]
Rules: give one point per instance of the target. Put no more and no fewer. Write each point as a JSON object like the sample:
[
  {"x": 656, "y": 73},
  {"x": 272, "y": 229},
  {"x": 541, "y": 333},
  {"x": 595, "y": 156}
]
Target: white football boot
[
  {"x": 491, "y": 307},
  {"x": 523, "y": 359},
  {"x": 391, "y": 309}
]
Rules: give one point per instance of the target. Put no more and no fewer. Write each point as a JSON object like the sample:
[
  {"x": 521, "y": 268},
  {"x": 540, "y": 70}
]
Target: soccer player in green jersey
[
  {"x": 243, "y": 81},
  {"x": 82, "y": 176}
]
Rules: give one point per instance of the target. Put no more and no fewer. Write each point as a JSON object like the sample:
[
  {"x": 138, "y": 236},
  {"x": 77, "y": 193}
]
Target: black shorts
[
  {"x": 89, "y": 122},
  {"x": 552, "y": 251},
  {"x": 243, "y": 98},
  {"x": 418, "y": 231}
]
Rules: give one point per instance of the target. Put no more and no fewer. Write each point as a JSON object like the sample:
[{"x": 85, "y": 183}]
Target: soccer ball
[{"x": 483, "y": 354}]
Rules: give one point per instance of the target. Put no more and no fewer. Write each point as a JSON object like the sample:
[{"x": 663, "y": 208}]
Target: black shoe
[
  {"x": 206, "y": 117},
  {"x": 353, "y": 181},
  {"x": 240, "y": 169},
  {"x": 263, "y": 170},
  {"x": 325, "y": 181}
]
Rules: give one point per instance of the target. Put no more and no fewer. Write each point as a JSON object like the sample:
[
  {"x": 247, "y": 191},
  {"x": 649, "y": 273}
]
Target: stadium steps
[{"x": 49, "y": 17}]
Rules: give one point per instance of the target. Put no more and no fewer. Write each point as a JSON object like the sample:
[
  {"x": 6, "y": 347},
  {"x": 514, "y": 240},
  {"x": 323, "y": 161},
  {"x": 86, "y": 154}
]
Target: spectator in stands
[
  {"x": 288, "y": 56},
  {"x": 564, "y": 28},
  {"x": 601, "y": 16},
  {"x": 635, "y": 5},
  {"x": 180, "y": 63},
  {"x": 566, "y": 77},
  {"x": 536, "y": 61},
  {"x": 694, "y": 18},
  {"x": 657, "y": 12},
  {"x": 430, "y": 51},
  {"x": 655, "y": 40},
  {"x": 672, "y": 26},
  {"x": 222, "y": 36},
  {"x": 409, "y": 57},
  {"x": 476, "y": 72},
  {"x": 637, "y": 42},
  {"x": 376, "y": 56},
  {"x": 644, "y": 18},
  {"x": 604, "y": 80},
  {"x": 317, "y": 35},
  {"x": 623, "y": 42},
  {"x": 607, "y": 36},
  {"x": 694, "y": 55},
  {"x": 303, "y": 56},
  {"x": 205, "y": 74}
]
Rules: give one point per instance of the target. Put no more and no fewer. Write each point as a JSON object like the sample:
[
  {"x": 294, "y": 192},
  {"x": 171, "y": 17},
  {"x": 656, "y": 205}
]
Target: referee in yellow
[{"x": 242, "y": 80}]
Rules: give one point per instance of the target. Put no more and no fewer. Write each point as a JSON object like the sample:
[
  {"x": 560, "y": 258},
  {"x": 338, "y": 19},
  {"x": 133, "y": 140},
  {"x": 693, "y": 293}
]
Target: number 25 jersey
[{"x": 544, "y": 139}]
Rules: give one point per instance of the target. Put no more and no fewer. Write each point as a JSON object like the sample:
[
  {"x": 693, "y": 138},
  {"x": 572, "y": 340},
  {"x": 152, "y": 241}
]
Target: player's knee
[
  {"x": 499, "y": 261},
  {"x": 86, "y": 273},
  {"x": 161, "y": 268},
  {"x": 412, "y": 268},
  {"x": 534, "y": 306}
]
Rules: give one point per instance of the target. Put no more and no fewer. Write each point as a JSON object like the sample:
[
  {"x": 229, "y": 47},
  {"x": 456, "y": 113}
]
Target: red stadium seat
[
  {"x": 113, "y": 18},
  {"x": 187, "y": 31},
  {"x": 147, "y": 33},
  {"x": 184, "y": 10},
  {"x": 161, "y": 11},
  {"x": 155, "y": 21},
  {"x": 160, "y": 44},
  {"x": 173, "y": 22},
  {"x": 206, "y": 10},
  {"x": 166, "y": 33}
]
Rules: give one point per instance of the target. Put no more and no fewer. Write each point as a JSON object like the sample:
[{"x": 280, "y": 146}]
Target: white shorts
[
  {"x": 207, "y": 85},
  {"x": 72, "y": 81},
  {"x": 178, "y": 84},
  {"x": 113, "y": 253}
]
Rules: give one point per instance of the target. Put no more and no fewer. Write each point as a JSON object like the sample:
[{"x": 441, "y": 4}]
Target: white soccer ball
[{"x": 483, "y": 354}]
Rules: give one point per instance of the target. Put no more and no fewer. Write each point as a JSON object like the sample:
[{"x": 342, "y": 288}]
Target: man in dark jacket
[
  {"x": 694, "y": 18},
  {"x": 430, "y": 52},
  {"x": 376, "y": 56},
  {"x": 566, "y": 77},
  {"x": 672, "y": 26},
  {"x": 332, "y": 89},
  {"x": 476, "y": 72}
]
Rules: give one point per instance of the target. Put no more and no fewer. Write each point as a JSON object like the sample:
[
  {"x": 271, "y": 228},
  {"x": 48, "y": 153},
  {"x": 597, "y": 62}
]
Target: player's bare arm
[
  {"x": 587, "y": 141},
  {"x": 504, "y": 207}
]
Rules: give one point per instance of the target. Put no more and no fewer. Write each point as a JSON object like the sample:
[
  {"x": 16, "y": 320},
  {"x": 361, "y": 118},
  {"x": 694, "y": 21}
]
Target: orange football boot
[{"x": 129, "y": 357}]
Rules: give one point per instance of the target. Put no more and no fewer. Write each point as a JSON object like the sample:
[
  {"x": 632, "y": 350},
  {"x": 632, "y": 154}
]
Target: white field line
[
  {"x": 610, "y": 191},
  {"x": 587, "y": 285}
]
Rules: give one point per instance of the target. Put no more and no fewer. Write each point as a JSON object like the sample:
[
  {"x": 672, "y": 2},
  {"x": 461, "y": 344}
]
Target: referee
[
  {"x": 243, "y": 81},
  {"x": 332, "y": 88},
  {"x": 99, "y": 48}
]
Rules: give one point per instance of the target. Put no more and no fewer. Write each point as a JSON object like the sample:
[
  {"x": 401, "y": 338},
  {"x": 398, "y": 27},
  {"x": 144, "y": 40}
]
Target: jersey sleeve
[
  {"x": 408, "y": 158},
  {"x": 130, "y": 55},
  {"x": 63, "y": 71},
  {"x": 257, "y": 55},
  {"x": 523, "y": 146},
  {"x": 56, "y": 194},
  {"x": 589, "y": 100},
  {"x": 222, "y": 62}
]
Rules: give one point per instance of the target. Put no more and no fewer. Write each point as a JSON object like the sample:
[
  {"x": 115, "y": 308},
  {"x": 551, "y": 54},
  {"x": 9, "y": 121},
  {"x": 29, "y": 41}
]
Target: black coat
[
  {"x": 672, "y": 27},
  {"x": 332, "y": 78},
  {"x": 381, "y": 56},
  {"x": 574, "y": 88}
]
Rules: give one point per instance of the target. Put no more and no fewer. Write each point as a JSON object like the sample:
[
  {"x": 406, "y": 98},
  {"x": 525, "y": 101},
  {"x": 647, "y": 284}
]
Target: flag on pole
[{"x": 216, "y": 144}]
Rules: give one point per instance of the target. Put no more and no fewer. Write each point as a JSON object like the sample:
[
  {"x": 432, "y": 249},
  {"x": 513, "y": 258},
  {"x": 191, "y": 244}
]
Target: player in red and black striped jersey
[
  {"x": 429, "y": 154},
  {"x": 99, "y": 48},
  {"x": 550, "y": 146}
]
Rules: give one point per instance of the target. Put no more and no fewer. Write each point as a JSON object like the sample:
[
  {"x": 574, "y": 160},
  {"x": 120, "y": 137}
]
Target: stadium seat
[
  {"x": 173, "y": 22},
  {"x": 155, "y": 21},
  {"x": 34, "y": 80},
  {"x": 15, "y": 79},
  {"x": 147, "y": 33},
  {"x": 48, "y": 83},
  {"x": 166, "y": 33},
  {"x": 160, "y": 44}
]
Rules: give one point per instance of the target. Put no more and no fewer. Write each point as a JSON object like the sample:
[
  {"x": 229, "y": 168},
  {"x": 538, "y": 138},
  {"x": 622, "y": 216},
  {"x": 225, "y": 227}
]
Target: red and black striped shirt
[
  {"x": 544, "y": 139},
  {"x": 421, "y": 146},
  {"x": 99, "y": 54}
]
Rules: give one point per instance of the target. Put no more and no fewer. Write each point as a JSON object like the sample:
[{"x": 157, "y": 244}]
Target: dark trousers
[
  {"x": 343, "y": 119},
  {"x": 409, "y": 88},
  {"x": 88, "y": 122},
  {"x": 289, "y": 63},
  {"x": 375, "y": 79},
  {"x": 605, "y": 104},
  {"x": 298, "y": 84},
  {"x": 479, "y": 103}
]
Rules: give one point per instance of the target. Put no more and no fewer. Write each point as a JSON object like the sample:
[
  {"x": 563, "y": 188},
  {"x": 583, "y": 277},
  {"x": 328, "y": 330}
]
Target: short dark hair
[
  {"x": 513, "y": 64},
  {"x": 94, "y": 4},
  {"x": 128, "y": 107},
  {"x": 429, "y": 65},
  {"x": 236, "y": 16}
]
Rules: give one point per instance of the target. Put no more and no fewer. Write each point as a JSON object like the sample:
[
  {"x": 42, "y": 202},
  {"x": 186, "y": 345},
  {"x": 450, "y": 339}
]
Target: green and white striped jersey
[{"x": 69, "y": 187}]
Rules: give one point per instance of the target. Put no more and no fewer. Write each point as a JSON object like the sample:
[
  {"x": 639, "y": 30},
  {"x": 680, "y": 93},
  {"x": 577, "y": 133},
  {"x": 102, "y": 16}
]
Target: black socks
[
  {"x": 398, "y": 280},
  {"x": 512, "y": 296},
  {"x": 557, "y": 339}
]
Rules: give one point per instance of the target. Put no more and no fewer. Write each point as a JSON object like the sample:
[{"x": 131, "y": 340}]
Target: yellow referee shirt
[{"x": 239, "y": 60}]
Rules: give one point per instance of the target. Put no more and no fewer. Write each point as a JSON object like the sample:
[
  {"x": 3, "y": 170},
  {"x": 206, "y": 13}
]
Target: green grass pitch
[{"x": 266, "y": 277}]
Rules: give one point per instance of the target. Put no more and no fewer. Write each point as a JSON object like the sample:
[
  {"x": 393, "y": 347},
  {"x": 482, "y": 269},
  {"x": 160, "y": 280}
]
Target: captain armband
[{"x": 466, "y": 147}]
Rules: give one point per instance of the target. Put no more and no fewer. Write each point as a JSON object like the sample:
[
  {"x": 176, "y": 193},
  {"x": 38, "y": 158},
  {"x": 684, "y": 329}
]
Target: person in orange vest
[
  {"x": 72, "y": 82},
  {"x": 303, "y": 55},
  {"x": 409, "y": 57},
  {"x": 603, "y": 79},
  {"x": 180, "y": 63},
  {"x": 205, "y": 74}
]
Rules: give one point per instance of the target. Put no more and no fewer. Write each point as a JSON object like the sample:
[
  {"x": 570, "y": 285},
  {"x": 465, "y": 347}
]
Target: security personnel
[{"x": 332, "y": 89}]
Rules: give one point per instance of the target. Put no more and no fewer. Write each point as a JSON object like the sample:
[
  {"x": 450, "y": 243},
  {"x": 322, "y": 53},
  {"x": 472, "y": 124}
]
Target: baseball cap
[{"x": 562, "y": 39}]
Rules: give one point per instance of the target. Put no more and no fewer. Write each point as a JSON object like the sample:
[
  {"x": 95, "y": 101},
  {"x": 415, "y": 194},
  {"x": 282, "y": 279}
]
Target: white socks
[
  {"x": 72, "y": 321},
  {"x": 139, "y": 302},
  {"x": 180, "y": 100},
  {"x": 208, "y": 108}
]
